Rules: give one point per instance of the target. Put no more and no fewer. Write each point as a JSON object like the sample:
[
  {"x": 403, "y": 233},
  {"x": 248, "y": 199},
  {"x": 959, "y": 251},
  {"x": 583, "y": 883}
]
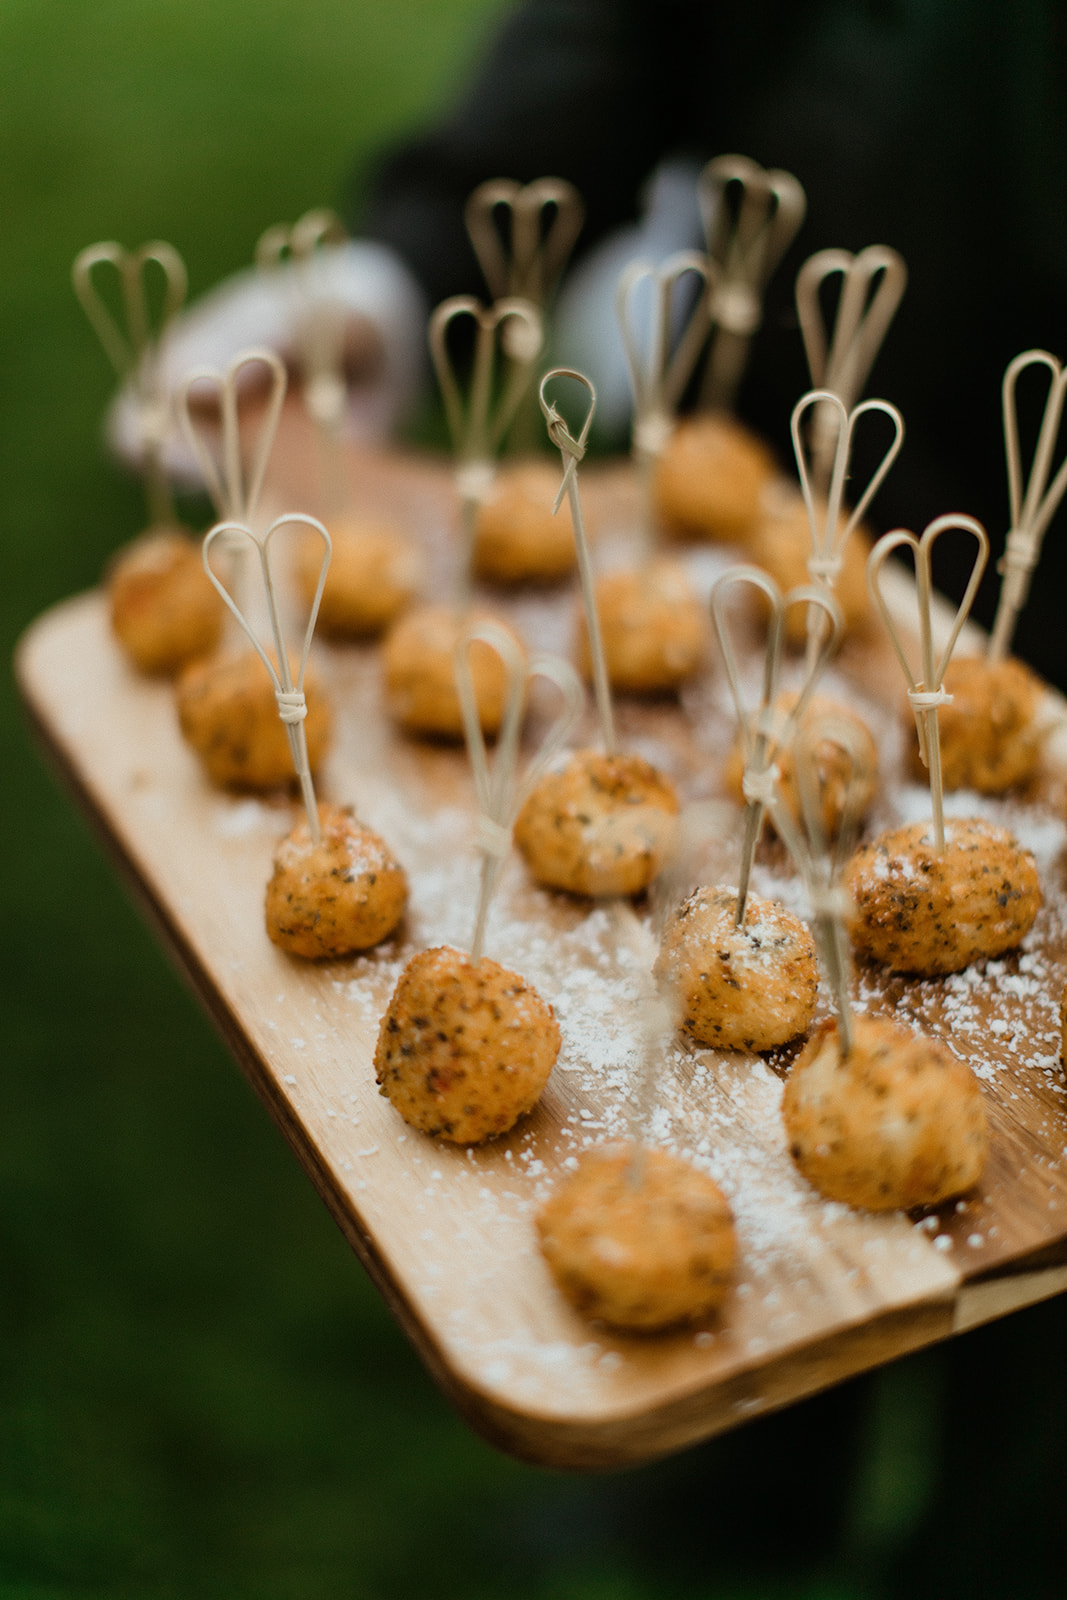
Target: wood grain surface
[{"x": 447, "y": 1235}]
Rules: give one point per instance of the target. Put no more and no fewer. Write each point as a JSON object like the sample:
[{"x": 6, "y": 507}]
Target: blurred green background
[{"x": 200, "y": 1394}]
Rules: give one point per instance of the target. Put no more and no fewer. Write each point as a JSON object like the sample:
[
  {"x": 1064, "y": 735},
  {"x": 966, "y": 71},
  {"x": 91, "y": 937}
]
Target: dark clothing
[{"x": 936, "y": 126}]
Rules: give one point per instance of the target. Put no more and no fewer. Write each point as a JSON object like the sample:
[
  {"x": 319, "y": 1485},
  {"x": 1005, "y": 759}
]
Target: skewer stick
[
  {"x": 828, "y": 538},
  {"x": 818, "y": 863},
  {"x": 234, "y": 490},
  {"x": 841, "y": 361},
  {"x": 289, "y": 692},
  {"x": 926, "y": 692},
  {"x": 572, "y": 451},
  {"x": 501, "y": 791},
  {"x": 1032, "y": 513},
  {"x": 478, "y": 426},
  {"x": 529, "y": 264},
  {"x": 747, "y": 240},
  {"x": 767, "y": 731},
  {"x": 135, "y": 351},
  {"x": 658, "y": 374}
]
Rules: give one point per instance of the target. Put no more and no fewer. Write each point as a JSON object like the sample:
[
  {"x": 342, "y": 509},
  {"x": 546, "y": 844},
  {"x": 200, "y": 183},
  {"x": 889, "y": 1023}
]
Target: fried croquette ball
[
  {"x": 640, "y": 1246},
  {"x": 653, "y": 627},
  {"x": 710, "y": 478},
  {"x": 1063, "y": 1027},
  {"x": 464, "y": 1050},
  {"x": 739, "y": 988},
  {"x": 228, "y": 713},
  {"x": 516, "y": 537},
  {"x": 419, "y": 661},
  {"x": 781, "y": 545},
  {"x": 372, "y": 577},
  {"x": 898, "y": 1122},
  {"x": 164, "y": 610},
  {"x": 833, "y": 762},
  {"x": 918, "y": 910},
  {"x": 989, "y": 732},
  {"x": 330, "y": 899},
  {"x": 601, "y": 825}
]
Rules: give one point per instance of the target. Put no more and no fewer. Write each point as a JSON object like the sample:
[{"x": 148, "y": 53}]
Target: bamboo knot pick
[
  {"x": 288, "y": 691},
  {"x": 234, "y": 489},
  {"x": 135, "y": 349},
  {"x": 501, "y": 791},
  {"x": 529, "y": 264},
  {"x": 926, "y": 691},
  {"x": 766, "y": 733},
  {"x": 1032, "y": 510}
]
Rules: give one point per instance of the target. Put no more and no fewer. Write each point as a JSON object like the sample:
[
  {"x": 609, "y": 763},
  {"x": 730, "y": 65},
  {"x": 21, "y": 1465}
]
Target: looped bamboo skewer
[
  {"x": 500, "y": 790},
  {"x": 769, "y": 730},
  {"x": 1032, "y": 511},
  {"x": 841, "y": 360},
  {"x": 747, "y": 244},
  {"x": 529, "y": 265},
  {"x": 477, "y": 426},
  {"x": 572, "y": 450},
  {"x": 135, "y": 351},
  {"x": 234, "y": 490},
  {"x": 828, "y": 539},
  {"x": 289, "y": 692},
  {"x": 818, "y": 861},
  {"x": 658, "y": 373},
  {"x": 926, "y": 691}
]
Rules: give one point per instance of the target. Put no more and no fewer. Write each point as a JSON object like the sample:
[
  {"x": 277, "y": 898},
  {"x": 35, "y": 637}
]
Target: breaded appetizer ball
[
  {"x": 419, "y": 662},
  {"x": 781, "y": 545},
  {"x": 898, "y": 1122},
  {"x": 228, "y": 713},
  {"x": 739, "y": 988},
  {"x": 516, "y": 537},
  {"x": 1063, "y": 1027},
  {"x": 918, "y": 910},
  {"x": 330, "y": 899},
  {"x": 164, "y": 610},
  {"x": 653, "y": 627},
  {"x": 834, "y": 764},
  {"x": 990, "y": 737},
  {"x": 601, "y": 825},
  {"x": 710, "y": 478},
  {"x": 639, "y": 1255},
  {"x": 373, "y": 575},
  {"x": 464, "y": 1051}
]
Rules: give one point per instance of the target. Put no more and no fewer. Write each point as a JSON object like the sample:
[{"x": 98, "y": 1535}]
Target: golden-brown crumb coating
[
  {"x": 989, "y": 732},
  {"x": 164, "y": 610},
  {"x": 640, "y": 1255},
  {"x": 516, "y": 537},
  {"x": 925, "y": 912},
  {"x": 372, "y": 577},
  {"x": 229, "y": 714},
  {"x": 464, "y": 1051},
  {"x": 739, "y": 988},
  {"x": 1063, "y": 1027},
  {"x": 601, "y": 825},
  {"x": 419, "y": 662},
  {"x": 898, "y": 1122},
  {"x": 834, "y": 764},
  {"x": 781, "y": 545},
  {"x": 710, "y": 478},
  {"x": 653, "y": 627},
  {"x": 345, "y": 894}
]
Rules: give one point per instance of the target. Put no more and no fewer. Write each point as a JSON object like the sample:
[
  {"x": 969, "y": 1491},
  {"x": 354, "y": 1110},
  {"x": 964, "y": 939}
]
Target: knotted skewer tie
[
  {"x": 828, "y": 537},
  {"x": 500, "y": 790},
  {"x": 1030, "y": 513},
  {"x": 658, "y": 373},
  {"x": 135, "y": 351},
  {"x": 234, "y": 490},
  {"x": 841, "y": 361},
  {"x": 477, "y": 427},
  {"x": 818, "y": 863},
  {"x": 926, "y": 693},
  {"x": 747, "y": 242},
  {"x": 528, "y": 265},
  {"x": 765, "y": 734},
  {"x": 572, "y": 451},
  {"x": 288, "y": 692}
]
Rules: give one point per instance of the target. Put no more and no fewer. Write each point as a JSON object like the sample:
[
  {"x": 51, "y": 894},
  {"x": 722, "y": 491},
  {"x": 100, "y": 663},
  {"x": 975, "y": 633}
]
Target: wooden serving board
[{"x": 447, "y": 1235}]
